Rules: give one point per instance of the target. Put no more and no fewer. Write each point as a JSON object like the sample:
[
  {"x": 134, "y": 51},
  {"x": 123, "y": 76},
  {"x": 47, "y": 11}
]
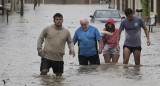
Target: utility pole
[{"x": 21, "y": 13}]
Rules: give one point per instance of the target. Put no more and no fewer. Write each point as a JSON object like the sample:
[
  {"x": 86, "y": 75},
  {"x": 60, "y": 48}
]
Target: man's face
[
  {"x": 84, "y": 25},
  {"x": 130, "y": 17},
  {"x": 58, "y": 21}
]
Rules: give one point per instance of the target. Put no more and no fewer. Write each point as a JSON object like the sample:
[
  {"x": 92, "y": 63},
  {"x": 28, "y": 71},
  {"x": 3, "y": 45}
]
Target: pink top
[{"x": 110, "y": 40}]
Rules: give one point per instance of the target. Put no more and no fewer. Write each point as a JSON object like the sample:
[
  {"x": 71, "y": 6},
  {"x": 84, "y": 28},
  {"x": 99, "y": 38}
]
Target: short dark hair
[
  {"x": 57, "y": 15},
  {"x": 128, "y": 11}
]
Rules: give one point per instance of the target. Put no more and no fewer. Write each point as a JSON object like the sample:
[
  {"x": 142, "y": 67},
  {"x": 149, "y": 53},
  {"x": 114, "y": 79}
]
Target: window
[{"x": 107, "y": 14}]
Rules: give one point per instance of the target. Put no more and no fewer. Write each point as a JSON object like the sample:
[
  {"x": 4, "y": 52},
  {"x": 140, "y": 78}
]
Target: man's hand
[
  {"x": 71, "y": 53},
  {"x": 148, "y": 42},
  {"x": 40, "y": 52}
]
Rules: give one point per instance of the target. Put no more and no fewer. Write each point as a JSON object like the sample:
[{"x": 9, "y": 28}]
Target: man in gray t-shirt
[{"x": 132, "y": 26}]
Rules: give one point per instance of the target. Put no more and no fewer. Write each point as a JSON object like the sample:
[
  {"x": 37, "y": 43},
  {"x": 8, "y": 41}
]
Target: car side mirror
[
  {"x": 123, "y": 17},
  {"x": 91, "y": 16}
]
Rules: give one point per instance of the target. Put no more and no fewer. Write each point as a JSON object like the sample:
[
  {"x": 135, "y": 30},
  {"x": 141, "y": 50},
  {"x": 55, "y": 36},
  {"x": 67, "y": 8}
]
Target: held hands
[
  {"x": 72, "y": 53},
  {"x": 99, "y": 51}
]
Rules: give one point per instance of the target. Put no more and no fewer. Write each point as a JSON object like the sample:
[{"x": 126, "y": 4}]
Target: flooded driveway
[{"x": 19, "y": 62}]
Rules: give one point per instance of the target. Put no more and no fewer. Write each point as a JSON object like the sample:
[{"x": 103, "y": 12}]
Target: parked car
[{"x": 103, "y": 15}]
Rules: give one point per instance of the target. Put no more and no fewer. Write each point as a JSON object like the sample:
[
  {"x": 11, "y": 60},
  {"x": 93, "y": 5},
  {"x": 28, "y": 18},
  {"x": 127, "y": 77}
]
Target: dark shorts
[
  {"x": 93, "y": 60},
  {"x": 57, "y": 66},
  {"x": 132, "y": 48}
]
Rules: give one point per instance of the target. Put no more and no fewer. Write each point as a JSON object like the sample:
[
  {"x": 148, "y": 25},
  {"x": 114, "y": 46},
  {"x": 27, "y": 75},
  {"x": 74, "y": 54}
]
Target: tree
[{"x": 145, "y": 6}]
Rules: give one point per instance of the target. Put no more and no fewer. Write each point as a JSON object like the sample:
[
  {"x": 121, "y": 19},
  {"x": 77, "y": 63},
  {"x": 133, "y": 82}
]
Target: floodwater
[{"x": 19, "y": 62}]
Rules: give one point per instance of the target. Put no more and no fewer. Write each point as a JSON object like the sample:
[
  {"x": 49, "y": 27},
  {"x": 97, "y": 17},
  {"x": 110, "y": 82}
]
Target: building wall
[
  {"x": 123, "y": 5},
  {"x": 118, "y": 5},
  {"x": 158, "y": 11},
  {"x": 155, "y": 11},
  {"x": 67, "y": 1},
  {"x": 138, "y": 6},
  {"x": 155, "y": 6},
  {"x": 12, "y": 4},
  {"x": 5, "y": 1},
  {"x": 134, "y": 4}
]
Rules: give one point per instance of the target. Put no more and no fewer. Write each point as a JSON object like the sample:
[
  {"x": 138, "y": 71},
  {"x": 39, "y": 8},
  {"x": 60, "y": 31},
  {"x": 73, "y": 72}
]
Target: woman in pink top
[{"x": 109, "y": 42}]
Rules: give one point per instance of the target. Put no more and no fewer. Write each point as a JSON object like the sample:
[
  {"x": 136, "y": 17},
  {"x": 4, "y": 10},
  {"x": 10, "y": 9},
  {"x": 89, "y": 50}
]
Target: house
[
  {"x": 67, "y": 1},
  {"x": 152, "y": 8}
]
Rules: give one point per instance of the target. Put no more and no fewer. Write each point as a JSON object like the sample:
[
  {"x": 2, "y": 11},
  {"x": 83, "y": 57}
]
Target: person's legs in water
[
  {"x": 44, "y": 72},
  {"x": 45, "y": 66},
  {"x": 126, "y": 55},
  {"x": 35, "y": 4},
  {"x": 58, "y": 74},
  {"x": 114, "y": 55},
  {"x": 39, "y": 2},
  {"x": 83, "y": 60},
  {"x": 94, "y": 60},
  {"x": 57, "y": 67},
  {"x": 136, "y": 54},
  {"x": 115, "y": 58},
  {"x": 107, "y": 58}
]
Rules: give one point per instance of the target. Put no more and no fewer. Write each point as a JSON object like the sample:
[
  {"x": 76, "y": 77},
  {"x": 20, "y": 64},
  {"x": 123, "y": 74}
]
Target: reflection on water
[
  {"x": 100, "y": 75},
  {"x": 50, "y": 80},
  {"x": 113, "y": 70},
  {"x": 132, "y": 72},
  {"x": 87, "y": 69}
]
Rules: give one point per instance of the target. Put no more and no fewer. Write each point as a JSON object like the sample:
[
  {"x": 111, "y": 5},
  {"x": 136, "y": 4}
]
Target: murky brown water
[{"x": 19, "y": 63}]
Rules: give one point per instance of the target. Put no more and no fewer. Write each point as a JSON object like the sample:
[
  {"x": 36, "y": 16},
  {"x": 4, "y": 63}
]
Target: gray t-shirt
[{"x": 132, "y": 31}]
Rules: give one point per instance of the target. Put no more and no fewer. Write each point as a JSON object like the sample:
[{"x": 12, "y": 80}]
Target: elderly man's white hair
[{"x": 83, "y": 21}]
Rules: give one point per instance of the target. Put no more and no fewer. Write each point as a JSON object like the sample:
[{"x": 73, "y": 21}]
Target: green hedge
[{"x": 145, "y": 6}]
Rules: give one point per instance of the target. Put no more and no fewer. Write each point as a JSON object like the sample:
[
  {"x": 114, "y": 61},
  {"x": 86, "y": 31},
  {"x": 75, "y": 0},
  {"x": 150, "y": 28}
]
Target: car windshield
[{"x": 107, "y": 14}]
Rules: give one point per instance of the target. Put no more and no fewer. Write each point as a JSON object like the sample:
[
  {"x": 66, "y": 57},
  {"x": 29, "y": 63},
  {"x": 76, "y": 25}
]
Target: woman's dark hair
[
  {"x": 110, "y": 29},
  {"x": 57, "y": 15},
  {"x": 128, "y": 11}
]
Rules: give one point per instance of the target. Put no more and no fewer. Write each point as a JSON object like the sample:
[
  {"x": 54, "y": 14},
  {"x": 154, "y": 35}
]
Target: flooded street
[{"x": 19, "y": 62}]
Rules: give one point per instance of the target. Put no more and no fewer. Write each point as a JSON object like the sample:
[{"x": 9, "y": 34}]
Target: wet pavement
[{"x": 19, "y": 62}]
